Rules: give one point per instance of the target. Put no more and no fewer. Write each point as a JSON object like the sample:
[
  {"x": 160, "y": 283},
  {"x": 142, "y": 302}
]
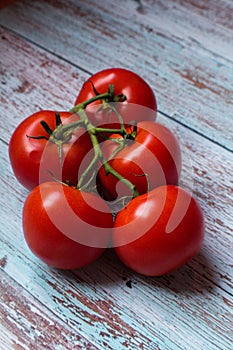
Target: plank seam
[
  {"x": 90, "y": 73},
  {"x": 195, "y": 131},
  {"x": 45, "y": 49}
]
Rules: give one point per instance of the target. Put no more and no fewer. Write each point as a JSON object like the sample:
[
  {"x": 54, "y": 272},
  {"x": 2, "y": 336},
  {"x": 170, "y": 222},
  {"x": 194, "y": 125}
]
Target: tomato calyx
[
  {"x": 63, "y": 133},
  {"x": 108, "y": 100},
  {"x": 60, "y": 135},
  {"x": 106, "y": 97},
  {"x": 134, "y": 129},
  {"x": 112, "y": 98},
  {"x": 118, "y": 98},
  {"x": 98, "y": 156}
]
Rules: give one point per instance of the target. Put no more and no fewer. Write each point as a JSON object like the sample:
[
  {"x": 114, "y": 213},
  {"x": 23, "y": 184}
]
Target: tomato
[
  {"x": 152, "y": 159},
  {"x": 160, "y": 231},
  {"x": 64, "y": 227},
  {"x": 33, "y": 160},
  {"x": 126, "y": 82}
]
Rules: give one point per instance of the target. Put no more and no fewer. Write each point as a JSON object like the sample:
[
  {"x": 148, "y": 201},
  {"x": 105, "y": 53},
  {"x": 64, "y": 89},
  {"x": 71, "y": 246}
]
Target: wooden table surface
[{"x": 184, "y": 49}]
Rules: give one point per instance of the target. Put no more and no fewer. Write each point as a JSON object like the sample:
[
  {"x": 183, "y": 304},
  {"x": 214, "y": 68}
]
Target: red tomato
[
  {"x": 31, "y": 159},
  {"x": 64, "y": 227},
  {"x": 160, "y": 231},
  {"x": 136, "y": 89},
  {"x": 151, "y": 160}
]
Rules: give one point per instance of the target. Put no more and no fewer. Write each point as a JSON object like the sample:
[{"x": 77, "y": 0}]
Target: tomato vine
[{"x": 120, "y": 151}]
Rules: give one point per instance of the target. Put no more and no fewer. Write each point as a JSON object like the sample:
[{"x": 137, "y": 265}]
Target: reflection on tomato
[
  {"x": 126, "y": 82},
  {"x": 34, "y": 160},
  {"x": 64, "y": 227},
  {"x": 152, "y": 159},
  {"x": 160, "y": 231}
]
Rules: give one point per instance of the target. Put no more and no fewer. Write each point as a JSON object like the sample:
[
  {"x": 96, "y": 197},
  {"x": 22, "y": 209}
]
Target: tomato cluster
[{"x": 105, "y": 175}]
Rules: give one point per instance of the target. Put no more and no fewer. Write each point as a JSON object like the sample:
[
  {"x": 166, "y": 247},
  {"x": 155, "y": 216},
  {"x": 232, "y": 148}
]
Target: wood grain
[
  {"x": 25, "y": 323},
  {"x": 191, "y": 73},
  {"x": 32, "y": 80},
  {"x": 202, "y": 286},
  {"x": 47, "y": 50}
]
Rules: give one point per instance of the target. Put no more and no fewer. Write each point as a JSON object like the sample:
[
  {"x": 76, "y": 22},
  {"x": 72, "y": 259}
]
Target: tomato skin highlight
[
  {"x": 153, "y": 159},
  {"x": 58, "y": 220},
  {"x": 33, "y": 159},
  {"x": 134, "y": 87},
  {"x": 146, "y": 242}
]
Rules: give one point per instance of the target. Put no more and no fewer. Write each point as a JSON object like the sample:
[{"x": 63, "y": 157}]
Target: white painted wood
[
  {"x": 191, "y": 70},
  {"x": 32, "y": 80},
  {"x": 26, "y": 324},
  {"x": 191, "y": 73},
  {"x": 190, "y": 301}
]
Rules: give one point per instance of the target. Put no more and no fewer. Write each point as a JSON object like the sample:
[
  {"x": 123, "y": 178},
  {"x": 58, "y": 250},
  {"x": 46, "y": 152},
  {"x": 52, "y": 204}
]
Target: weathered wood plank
[
  {"x": 26, "y": 324},
  {"x": 31, "y": 80},
  {"x": 153, "y": 314},
  {"x": 191, "y": 73},
  {"x": 219, "y": 11},
  {"x": 97, "y": 303},
  {"x": 189, "y": 309},
  {"x": 192, "y": 307},
  {"x": 205, "y": 171}
]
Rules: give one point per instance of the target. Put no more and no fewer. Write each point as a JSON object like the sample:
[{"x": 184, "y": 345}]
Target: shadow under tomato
[
  {"x": 196, "y": 277},
  {"x": 104, "y": 271}
]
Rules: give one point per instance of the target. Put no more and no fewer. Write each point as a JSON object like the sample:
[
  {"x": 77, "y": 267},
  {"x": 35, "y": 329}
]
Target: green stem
[
  {"x": 118, "y": 149},
  {"x": 119, "y": 117},
  {"x": 84, "y": 104},
  {"x": 95, "y": 143},
  {"x": 110, "y": 131},
  {"x": 99, "y": 156},
  {"x": 109, "y": 170},
  {"x": 104, "y": 96},
  {"x": 107, "y": 98},
  {"x": 63, "y": 131},
  {"x": 82, "y": 182}
]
